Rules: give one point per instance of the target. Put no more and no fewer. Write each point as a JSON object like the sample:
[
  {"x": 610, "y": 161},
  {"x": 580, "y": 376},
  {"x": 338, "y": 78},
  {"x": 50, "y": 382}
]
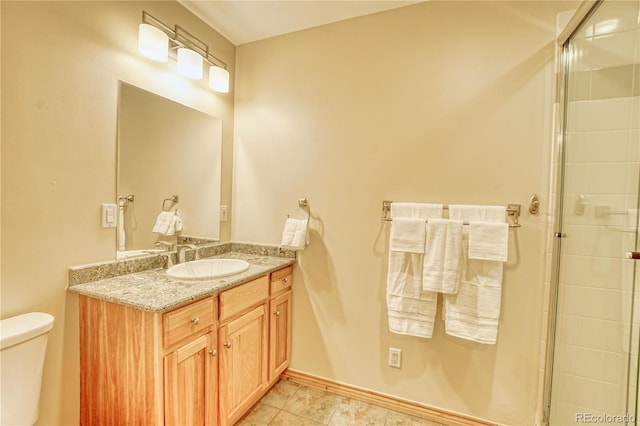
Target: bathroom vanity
[{"x": 156, "y": 350}]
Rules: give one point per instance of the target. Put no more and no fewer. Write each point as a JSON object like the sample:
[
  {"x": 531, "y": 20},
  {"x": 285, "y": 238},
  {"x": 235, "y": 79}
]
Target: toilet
[{"x": 23, "y": 342}]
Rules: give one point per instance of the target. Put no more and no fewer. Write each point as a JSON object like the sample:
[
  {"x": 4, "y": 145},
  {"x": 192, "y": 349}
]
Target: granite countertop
[{"x": 154, "y": 291}]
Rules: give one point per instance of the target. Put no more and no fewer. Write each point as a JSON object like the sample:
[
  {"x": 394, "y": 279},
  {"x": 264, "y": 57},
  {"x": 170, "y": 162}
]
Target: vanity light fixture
[
  {"x": 189, "y": 63},
  {"x": 156, "y": 39}
]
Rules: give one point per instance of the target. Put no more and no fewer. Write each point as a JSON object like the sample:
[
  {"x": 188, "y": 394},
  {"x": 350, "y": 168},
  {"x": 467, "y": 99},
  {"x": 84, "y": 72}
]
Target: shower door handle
[{"x": 633, "y": 255}]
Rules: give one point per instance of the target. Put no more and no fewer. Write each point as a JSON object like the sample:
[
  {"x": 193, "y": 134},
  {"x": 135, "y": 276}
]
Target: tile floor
[{"x": 291, "y": 404}]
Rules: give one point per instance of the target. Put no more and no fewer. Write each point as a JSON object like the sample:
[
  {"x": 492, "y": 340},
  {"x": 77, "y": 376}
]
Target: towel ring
[
  {"x": 172, "y": 200},
  {"x": 303, "y": 203}
]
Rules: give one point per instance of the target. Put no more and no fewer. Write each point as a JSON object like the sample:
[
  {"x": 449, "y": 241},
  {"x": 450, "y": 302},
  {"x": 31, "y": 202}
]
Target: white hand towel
[
  {"x": 407, "y": 235},
  {"x": 163, "y": 222},
  {"x": 121, "y": 232},
  {"x": 488, "y": 241},
  {"x": 441, "y": 272},
  {"x": 294, "y": 235},
  {"x": 474, "y": 312}
]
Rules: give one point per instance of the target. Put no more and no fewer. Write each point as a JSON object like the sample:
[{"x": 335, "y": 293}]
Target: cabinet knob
[
  {"x": 276, "y": 313},
  {"x": 195, "y": 321},
  {"x": 285, "y": 280},
  {"x": 213, "y": 352},
  {"x": 227, "y": 345}
]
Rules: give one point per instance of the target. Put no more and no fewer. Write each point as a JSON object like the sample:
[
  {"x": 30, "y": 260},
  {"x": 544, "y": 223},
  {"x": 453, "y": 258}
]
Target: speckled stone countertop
[{"x": 152, "y": 290}]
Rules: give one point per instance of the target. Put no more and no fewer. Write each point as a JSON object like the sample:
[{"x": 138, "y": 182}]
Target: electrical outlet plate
[{"x": 395, "y": 357}]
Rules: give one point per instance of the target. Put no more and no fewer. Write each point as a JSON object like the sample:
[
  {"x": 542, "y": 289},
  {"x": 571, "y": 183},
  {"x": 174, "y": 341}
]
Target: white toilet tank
[{"x": 23, "y": 342}]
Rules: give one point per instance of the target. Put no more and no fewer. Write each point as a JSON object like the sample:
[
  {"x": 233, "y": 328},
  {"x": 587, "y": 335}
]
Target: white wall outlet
[
  {"x": 108, "y": 216},
  {"x": 395, "y": 357},
  {"x": 223, "y": 213}
]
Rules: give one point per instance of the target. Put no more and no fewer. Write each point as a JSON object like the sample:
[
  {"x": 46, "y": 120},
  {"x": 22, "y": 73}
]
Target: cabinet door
[
  {"x": 243, "y": 364},
  {"x": 279, "y": 335},
  {"x": 191, "y": 383}
]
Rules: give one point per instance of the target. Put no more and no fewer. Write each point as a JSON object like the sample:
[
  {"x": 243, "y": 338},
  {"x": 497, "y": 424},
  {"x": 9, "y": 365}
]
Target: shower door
[{"x": 594, "y": 314}]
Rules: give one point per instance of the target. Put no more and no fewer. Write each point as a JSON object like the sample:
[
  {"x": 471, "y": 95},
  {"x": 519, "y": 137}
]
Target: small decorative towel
[
  {"x": 441, "y": 271},
  {"x": 168, "y": 223},
  {"x": 163, "y": 222},
  {"x": 294, "y": 235},
  {"x": 488, "y": 241},
  {"x": 407, "y": 235}
]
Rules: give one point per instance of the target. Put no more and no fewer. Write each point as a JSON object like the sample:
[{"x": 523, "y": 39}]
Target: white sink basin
[{"x": 208, "y": 268}]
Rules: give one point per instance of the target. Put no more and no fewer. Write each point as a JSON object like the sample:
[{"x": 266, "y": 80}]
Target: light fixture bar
[{"x": 180, "y": 37}]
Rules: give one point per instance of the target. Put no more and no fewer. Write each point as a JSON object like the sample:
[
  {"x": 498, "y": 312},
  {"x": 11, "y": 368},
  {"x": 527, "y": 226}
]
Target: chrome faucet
[{"x": 180, "y": 251}]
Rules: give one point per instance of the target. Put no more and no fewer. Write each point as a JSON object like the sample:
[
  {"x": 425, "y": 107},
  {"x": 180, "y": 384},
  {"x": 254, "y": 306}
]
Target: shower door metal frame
[{"x": 582, "y": 14}]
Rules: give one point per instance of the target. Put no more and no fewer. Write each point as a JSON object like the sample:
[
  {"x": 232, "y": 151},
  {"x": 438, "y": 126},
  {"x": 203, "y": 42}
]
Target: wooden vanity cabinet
[
  {"x": 204, "y": 363},
  {"x": 139, "y": 367},
  {"x": 280, "y": 323},
  {"x": 243, "y": 348},
  {"x": 191, "y": 364}
]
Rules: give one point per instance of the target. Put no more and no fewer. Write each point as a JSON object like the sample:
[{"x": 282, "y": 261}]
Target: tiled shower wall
[{"x": 599, "y": 214}]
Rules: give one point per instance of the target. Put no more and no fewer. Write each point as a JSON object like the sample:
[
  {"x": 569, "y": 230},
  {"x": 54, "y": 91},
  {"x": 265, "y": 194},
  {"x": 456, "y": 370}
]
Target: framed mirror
[{"x": 165, "y": 150}]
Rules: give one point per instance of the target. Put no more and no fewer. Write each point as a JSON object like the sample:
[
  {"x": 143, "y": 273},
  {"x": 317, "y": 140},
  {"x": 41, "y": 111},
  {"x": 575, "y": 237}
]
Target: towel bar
[{"x": 512, "y": 210}]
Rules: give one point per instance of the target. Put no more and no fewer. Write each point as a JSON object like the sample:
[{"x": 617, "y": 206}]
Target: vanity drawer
[
  {"x": 281, "y": 279},
  {"x": 244, "y": 296},
  {"x": 194, "y": 318}
]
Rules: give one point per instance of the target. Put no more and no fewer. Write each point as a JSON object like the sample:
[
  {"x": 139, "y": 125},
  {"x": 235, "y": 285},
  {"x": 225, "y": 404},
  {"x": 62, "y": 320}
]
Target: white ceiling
[{"x": 244, "y": 21}]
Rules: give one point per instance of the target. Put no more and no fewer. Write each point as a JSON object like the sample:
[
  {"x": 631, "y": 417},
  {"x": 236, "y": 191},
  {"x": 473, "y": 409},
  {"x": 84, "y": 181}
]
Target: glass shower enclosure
[{"x": 594, "y": 321}]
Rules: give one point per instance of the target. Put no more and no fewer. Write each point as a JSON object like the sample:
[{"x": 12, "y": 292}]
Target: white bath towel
[
  {"x": 488, "y": 241},
  {"x": 416, "y": 210},
  {"x": 477, "y": 213},
  {"x": 441, "y": 272},
  {"x": 473, "y": 313},
  {"x": 407, "y": 235},
  {"x": 294, "y": 235},
  {"x": 410, "y": 309}
]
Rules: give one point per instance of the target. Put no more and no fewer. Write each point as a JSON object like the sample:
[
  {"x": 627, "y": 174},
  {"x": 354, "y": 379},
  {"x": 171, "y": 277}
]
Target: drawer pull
[
  {"x": 276, "y": 313},
  {"x": 213, "y": 352},
  {"x": 227, "y": 345},
  {"x": 195, "y": 321},
  {"x": 285, "y": 280}
]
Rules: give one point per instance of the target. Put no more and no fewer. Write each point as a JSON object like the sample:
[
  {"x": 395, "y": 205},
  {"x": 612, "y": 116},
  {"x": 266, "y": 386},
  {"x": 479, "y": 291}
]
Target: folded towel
[
  {"x": 488, "y": 241},
  {"x": 168, "y": 223},
  {"x": 163, "y": 222},
  {"x": 477, "y": 213},
  {"x": 441, "y": 272},
  {"x": 407, "y": 235},
  {"x": 416, "y": 210},
  {"x": 410, "y": 310},
  {"x": 294, "y": 235},
  {"x": 473, "y": 313}
]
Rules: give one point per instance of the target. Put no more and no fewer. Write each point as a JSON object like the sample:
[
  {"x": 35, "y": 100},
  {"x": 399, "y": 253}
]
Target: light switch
[{"x": 109, "y": 215}]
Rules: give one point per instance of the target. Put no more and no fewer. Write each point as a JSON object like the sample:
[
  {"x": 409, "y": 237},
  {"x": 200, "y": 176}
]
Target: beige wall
[
  {"x": 438, "y": 102},
  {"x": 61, "y": 63}
]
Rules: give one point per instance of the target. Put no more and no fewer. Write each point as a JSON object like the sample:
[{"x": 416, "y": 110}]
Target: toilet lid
[{"x": 24, "y": 327}]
